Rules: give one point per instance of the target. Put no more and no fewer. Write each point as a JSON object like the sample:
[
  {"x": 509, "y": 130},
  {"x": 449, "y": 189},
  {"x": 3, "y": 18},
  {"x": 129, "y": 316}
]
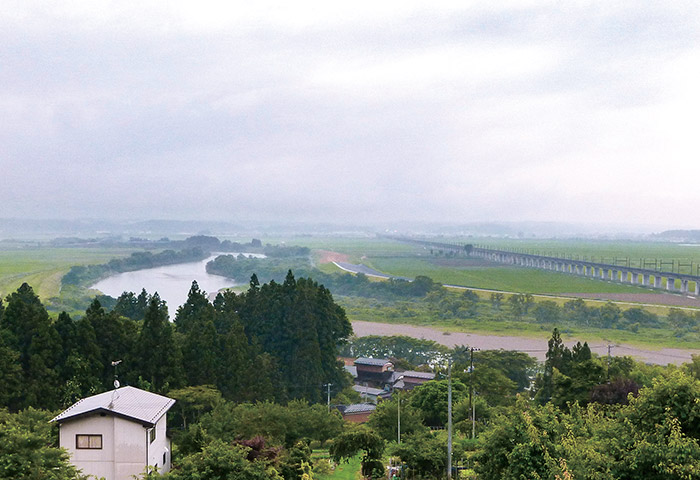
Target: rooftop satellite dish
[{"x": 116, "y": 383}]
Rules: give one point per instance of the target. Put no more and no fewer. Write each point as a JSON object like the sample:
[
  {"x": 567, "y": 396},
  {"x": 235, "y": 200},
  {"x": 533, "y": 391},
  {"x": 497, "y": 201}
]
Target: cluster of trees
[
  {"x": 654, "y": 436},
  {"x": 82, "y": 275},
  {"x": 406, "y": 352},
  {"x": 276, "y": 342},
  {"x": 213, "y": 244},
  {"x": 269, "y": 269}
]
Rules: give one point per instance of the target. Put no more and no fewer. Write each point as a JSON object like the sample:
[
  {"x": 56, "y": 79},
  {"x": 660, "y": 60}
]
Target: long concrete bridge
[{"x": 674, "y": 282}]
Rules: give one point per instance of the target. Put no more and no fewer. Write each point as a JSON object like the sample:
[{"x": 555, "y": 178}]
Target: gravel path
[{"x": 536, "y": 347}]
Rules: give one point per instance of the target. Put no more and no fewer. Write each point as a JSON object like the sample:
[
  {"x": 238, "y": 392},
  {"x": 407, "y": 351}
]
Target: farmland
[{"x": 43, "y": 267}]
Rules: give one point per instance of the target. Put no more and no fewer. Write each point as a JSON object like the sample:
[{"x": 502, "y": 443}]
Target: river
[{"x": 172, "y": 282}]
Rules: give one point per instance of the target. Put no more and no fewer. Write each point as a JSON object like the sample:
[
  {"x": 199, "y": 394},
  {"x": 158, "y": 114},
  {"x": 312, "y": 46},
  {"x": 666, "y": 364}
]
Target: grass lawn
[{"x": 344, "y": 471}]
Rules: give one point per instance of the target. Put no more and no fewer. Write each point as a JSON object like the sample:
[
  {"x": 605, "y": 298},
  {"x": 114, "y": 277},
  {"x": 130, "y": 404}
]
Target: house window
[
  {"x": 165, "y": 458},
  {"x": 88, "y": 442},
  {"x": 153, "y": 434}
]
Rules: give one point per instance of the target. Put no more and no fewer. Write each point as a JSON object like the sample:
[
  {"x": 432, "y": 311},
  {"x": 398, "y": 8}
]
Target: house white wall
[
  {"x": 160, "y": 446},
  {"x": 126, "y": 447}
]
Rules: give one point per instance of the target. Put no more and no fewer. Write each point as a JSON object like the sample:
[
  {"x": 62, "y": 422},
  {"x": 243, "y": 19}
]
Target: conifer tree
[
  {"x": 27, "y": 329},
  {"x": 115, "y": 337},
  {"x": 200, "y": 344},
  {"x": 157, "y": 357}
]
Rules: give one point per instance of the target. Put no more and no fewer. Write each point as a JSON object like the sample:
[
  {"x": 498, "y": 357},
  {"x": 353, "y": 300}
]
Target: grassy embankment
[
  {"x": 43, "y": 267},
  {"x": 502, "y": 324}
]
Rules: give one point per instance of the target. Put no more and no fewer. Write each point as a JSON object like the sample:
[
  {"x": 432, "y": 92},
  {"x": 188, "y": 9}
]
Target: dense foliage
[
  {"x": 274, "y": 342},
  {"x": 28, "y": 448},
  {"x": 87, "y": 274},
  {"x": 655, "y": 436}
]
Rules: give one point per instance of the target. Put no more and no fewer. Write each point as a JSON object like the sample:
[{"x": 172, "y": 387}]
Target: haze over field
[{"x": 356, "y": 112}]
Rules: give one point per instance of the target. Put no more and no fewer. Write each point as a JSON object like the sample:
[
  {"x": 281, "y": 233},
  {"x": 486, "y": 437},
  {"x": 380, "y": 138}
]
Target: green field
[
  {"x": 595, "y": 250},
  {"x": 43, "y": 267},
  {"x": 505, "y": 278},
  {"x": 402, "y": 259},
  {"x": 357, "y": 249}
]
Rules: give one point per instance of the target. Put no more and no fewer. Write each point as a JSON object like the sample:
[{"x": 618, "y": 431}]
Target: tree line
[{"x": 274, "y": 342}]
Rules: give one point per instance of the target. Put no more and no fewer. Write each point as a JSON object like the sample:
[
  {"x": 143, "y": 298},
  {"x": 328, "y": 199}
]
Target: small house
[
  {"x": 370, "y": 394},
  {"x": 117, "y": 434},
  {"x": 376, "y": 372},
  {"x": 410, "y": 379},
  {"x": 357, "y": 412}
]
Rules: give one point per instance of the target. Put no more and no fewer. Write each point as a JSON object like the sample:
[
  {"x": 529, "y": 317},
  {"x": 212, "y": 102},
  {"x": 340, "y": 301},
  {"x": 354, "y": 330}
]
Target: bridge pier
[
  {"x": 689, "y": 284},
  {"x": 670, "y": 284}
]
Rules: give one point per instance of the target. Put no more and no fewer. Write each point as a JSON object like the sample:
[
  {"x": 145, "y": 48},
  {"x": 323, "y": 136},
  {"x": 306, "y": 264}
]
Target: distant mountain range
[{"x": 35, "y": 229}]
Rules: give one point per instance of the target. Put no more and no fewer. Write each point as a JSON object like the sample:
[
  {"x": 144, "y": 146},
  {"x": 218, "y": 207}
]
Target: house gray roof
[
  {"x": 361, "y": 389},
  {"x": 352, "y": 370},
  {"x": 414, "y": 374},
  {"x": 372, "y": 361},
  {"x": 359, "y": 408},
  {"x": 127, "y": 402}
]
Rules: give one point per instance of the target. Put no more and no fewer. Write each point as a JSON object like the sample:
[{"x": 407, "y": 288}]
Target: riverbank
[{"x": 536, "y": 347}]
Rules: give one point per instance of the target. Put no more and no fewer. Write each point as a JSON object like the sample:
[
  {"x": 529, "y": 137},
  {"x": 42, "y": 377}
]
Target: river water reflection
[{"x": 172, "y": 282}]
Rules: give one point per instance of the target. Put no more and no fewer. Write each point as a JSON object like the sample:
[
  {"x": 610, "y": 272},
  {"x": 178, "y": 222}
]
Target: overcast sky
[{"x": 355, "y": 112}]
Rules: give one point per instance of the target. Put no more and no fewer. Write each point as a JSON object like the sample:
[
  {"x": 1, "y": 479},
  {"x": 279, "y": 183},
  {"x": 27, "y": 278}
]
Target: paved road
[{"x": 364, "y": 269}]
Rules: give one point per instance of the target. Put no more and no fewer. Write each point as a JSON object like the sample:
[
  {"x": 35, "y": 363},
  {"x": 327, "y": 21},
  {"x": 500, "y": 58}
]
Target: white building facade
[{"x": 118, "y": 434}]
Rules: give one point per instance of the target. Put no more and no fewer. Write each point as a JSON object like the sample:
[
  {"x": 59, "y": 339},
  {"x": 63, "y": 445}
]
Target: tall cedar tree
[
  {"x": 80, "y": 360},
  {"x": 10, "y": 370},
  {"x": 195, "y": 322},
  {"x": 300, "y": 326},
  {"x": 27, "y": 329},
  {"x": 245, "y": 372},
  {"x": 157, "y": 356},
  {"x": 116, "y": 338}
]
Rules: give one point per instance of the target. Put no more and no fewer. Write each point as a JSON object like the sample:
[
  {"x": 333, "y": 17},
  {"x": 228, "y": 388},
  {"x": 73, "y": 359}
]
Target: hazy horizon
[{"x": 354, "y": 114}]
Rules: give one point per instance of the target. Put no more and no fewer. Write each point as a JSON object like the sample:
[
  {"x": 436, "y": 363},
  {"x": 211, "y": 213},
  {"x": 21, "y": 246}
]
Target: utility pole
[
  {"x": 398, "y": 412},
  {"x": 398, "y": 424},
  {"x": 449, "y": 418},
  {"x": 328, "y": 385},
  {"x": 472, "y": 404}
]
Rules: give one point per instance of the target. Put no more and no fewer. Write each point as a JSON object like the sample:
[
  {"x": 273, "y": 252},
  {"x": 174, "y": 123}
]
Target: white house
[{"x": 117, "y": 434}]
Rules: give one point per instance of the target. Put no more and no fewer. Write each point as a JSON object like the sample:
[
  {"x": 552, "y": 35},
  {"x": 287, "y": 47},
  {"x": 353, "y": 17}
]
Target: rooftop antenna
[
  {"x": 116, "y": 378},
  {"x": 115, "y": 395}
]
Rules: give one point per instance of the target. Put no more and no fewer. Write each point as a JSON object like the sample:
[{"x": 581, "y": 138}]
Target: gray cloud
[{"x": 398, "y": 112}]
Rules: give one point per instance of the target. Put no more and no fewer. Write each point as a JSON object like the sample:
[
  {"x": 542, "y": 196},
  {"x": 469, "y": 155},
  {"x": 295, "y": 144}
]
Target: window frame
[{"x": 90, "y": 437}]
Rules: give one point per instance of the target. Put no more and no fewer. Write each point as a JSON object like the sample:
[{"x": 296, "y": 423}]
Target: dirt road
[{"x": 536, "y": 347}]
